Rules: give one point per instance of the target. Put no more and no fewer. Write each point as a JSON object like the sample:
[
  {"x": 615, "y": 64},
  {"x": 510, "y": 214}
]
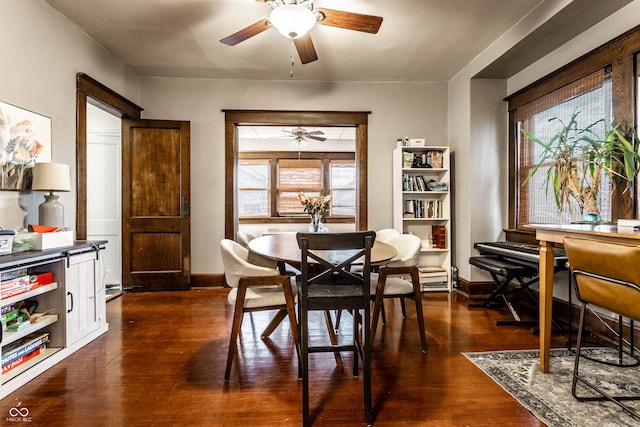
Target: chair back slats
[
  {"x": 606, "y": 274},
  {"x": 333, "y": 254}
]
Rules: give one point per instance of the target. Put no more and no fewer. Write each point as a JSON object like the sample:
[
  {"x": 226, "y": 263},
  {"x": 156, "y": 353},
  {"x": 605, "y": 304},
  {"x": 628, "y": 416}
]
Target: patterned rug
[{"x": 548, "y": 396}]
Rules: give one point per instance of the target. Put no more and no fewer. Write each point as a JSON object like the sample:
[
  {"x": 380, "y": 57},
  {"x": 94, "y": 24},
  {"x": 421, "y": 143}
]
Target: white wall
[
  {"x": 397, "y": 110},
  {"x": 42, "y": 52}
]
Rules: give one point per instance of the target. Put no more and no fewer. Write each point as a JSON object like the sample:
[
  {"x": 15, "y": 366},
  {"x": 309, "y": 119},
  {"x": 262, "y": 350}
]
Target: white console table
[{"x": 74, "y": 305}]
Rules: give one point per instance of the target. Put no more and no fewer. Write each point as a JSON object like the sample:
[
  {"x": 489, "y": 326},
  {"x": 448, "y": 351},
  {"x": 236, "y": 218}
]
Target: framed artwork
[{"x": 25, "y": 138}]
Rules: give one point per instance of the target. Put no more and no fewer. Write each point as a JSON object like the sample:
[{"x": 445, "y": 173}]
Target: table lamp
[{"x": 51, "y": 177}]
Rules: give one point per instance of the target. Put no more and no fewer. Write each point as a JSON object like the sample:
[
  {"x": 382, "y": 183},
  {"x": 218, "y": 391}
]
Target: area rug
[{"x": 548, "y": 396}]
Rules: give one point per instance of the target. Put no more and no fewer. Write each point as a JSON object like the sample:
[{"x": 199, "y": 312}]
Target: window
[
  {"x": 269, "y": 183},
  {"x": 591, "y": 96},
  {"x": 253, "y": 187},
  {"x": 602, "y": 84},
  {"x": 343, "y": 188}
]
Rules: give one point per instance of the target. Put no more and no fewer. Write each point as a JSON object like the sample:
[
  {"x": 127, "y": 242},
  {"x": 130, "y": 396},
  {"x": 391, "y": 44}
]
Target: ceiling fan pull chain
[{"x": 292, "y": 61}]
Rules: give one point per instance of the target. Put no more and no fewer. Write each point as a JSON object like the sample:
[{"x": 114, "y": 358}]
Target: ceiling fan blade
[
  {"x": 306, "y": 51},
  {"x": 317, "y": 138},
  {"x": 315, "y": 132},
  {"x": 350, "y": 21},
  {"x": 246, "y": 33}
]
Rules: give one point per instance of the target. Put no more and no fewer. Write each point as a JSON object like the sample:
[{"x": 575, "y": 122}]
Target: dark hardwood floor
[{"x": 162, "y": 363}]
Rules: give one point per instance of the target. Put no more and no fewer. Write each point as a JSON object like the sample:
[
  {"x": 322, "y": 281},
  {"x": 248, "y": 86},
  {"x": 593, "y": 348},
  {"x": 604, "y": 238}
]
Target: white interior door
[{"x": 104, "y": 172}]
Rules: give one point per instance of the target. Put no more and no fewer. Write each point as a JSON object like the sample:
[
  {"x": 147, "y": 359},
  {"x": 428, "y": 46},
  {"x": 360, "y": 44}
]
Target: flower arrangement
[{"x": 315, "y": 205}]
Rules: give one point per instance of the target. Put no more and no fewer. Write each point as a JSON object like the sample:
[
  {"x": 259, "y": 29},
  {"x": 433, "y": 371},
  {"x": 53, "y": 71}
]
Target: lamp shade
[
  {"x": 292, "y": 20},
  {"x": 51, "y": 177}
]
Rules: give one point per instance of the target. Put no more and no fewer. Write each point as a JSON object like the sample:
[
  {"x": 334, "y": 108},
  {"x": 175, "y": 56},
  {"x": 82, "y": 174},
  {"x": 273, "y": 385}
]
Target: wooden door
[{"x": 155, "y": 205}]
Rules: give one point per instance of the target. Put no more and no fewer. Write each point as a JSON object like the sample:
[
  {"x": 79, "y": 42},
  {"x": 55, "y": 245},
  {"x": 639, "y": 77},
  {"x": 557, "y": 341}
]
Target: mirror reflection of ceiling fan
[{"x": 294, "y": 18}]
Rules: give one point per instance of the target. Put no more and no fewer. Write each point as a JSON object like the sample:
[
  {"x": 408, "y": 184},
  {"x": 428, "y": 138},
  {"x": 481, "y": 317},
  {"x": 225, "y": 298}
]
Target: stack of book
[
  {"x": 19, "y": 352},
  {"x": 17, "y": 282},
  {"x": 14, "y": 283}
]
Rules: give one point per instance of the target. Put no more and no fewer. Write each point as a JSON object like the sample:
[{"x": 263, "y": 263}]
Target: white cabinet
[
  {"x": 422, "y": 206},
  {"x": 85, "y": 296},
  {"x": 70, "y": 311}
]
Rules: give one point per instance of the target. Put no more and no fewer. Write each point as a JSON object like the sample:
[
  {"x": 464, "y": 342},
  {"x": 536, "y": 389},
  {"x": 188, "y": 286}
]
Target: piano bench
[
  {"x": 509, "y": 271},
  {"x": 502, "y": 267}
]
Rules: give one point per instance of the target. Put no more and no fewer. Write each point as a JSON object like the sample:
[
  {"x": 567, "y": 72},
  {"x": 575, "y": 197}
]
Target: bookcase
[
  {"x": 422, "y": 206},
  {"x": 70, "y": 309}
]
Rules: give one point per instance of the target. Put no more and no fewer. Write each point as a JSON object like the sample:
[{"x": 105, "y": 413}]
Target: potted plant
[{"x": 576, "y": 158}]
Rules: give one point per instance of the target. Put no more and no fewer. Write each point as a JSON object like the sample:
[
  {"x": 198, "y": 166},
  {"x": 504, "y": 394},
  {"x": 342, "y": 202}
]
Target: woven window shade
[
  {"x": 295, "y": 176},
  {"x": 592, "y": 97}
]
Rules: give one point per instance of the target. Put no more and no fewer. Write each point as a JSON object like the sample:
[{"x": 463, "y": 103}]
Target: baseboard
[
  {"x": 475, "y": 290},
  {"x": 207, "y": 280}
]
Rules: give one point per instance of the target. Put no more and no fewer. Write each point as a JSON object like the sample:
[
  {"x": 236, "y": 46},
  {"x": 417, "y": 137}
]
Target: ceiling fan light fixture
[{"x": 292, "y": 20}]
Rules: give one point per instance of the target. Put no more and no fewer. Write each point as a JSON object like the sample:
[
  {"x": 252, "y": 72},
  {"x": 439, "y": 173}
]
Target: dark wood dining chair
[
  {"x": 606, "y": 275},
  {"x": 327, "y": 283}
]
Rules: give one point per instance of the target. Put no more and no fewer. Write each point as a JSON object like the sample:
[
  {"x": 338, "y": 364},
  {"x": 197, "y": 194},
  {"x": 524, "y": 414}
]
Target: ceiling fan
[
  {"x": 294, "y": 18},
  {"x": 300, "y": 134}
]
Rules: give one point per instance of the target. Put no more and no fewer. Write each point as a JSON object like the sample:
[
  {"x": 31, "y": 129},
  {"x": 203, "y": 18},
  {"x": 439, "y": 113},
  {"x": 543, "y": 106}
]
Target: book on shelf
[
  {"x": 432, "y": 270},
  {"x": 15, "y": 291},
  {"x": 416, "y": 208},
  {"x": 23, "y": 359},
  {"x": 439, "y": 236},
  {"x": 14, "y": 283},
  {"x": 14, "y": 274},
  {"x": 23, "y": 346}
]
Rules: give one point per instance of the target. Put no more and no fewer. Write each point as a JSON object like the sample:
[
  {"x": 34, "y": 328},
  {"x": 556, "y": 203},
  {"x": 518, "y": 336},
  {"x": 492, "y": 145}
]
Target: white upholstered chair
[
  {"x": 244, "y": 238},
  {"x": 255, "y": 288},
  {"x": 390, "y": 282},
  {"x": 386, "y": 234}
]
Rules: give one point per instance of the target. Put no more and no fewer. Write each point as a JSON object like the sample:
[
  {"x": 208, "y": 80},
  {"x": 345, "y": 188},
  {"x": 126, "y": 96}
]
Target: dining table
[
  {"x": 550, "y": 234},
  {"x": 283, "y": 247}
]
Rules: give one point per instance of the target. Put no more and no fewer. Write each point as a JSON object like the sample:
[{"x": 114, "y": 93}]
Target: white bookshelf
[{"x": 422, "y": 206}]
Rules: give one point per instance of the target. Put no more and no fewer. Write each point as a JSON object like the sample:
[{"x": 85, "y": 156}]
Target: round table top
[{"x": 284, "y": 247}]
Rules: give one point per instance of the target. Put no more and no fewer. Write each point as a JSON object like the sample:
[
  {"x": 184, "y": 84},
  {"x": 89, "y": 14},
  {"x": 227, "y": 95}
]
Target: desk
[
  {"x": 549, "y": 234},
  {"x": 284, "y": 248}
]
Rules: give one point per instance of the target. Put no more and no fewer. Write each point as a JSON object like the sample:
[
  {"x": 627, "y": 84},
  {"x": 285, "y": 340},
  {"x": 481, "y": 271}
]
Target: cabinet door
[{"x": 85, "y": 296}]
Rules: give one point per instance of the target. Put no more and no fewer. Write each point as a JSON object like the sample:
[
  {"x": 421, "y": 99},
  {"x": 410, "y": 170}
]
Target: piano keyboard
[{"x": 520, "y": 252}]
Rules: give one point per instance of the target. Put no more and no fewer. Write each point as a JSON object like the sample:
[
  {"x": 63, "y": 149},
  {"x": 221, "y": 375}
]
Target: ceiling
[{"x": 419, "y": 40}]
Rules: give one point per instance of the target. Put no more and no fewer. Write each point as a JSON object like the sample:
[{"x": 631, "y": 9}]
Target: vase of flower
[
  {"x": 316, "y": 223},
  {"x": 316, "y": 207}
]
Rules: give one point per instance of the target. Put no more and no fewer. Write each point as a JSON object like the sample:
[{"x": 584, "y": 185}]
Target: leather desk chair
[{"x": 606, "y": 275}]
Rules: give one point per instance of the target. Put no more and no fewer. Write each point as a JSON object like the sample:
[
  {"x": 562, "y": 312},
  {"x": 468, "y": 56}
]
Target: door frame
[
  {"x": 235, "y": 118},
  {"x": 99, "y": 95}
]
